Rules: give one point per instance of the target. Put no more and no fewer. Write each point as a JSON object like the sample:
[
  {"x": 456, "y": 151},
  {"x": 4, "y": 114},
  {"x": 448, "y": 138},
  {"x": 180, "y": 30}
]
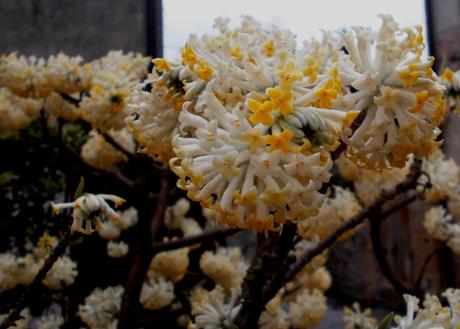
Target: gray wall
[{"x": 87, "y": 27}]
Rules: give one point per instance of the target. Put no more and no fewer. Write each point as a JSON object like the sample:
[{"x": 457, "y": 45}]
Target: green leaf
[
  {"x": 6, "y": 177},
  {"x": 386, "y": 322},
  {"x": 80, "y": 187}
]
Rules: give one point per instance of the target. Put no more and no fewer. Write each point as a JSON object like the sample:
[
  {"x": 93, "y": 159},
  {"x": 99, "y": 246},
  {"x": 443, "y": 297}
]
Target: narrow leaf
[{"x": 80, "y": 187}]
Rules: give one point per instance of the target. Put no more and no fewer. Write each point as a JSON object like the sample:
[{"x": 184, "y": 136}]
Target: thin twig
[
  {"x": 70, "y": 99},
  {"x": 113, "y": 173},
  {"x": 109, "y": 139},
  {"x": 15, "y": 314},
  {"x": 421, "y": 274},
  {"x": 194, "y": 239},
  {"x": 385, "y": 195},
  {"x": 398, "y": 206}
]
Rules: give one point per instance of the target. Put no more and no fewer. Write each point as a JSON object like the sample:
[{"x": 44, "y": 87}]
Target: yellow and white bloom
[
  {"x": 114, "y": 77},
  {"x": 254, "y": 143},
  {"x": 68, "y": 74},
  {"x": 16, "y": 112},
  {"x": 395, "y": 90},
  {"x": 25, "y": 76},
  {"x": 451, "y": 80}
]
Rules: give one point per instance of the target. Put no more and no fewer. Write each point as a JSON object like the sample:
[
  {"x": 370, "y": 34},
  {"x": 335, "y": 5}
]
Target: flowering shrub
[{"x": 252, "y": 125}]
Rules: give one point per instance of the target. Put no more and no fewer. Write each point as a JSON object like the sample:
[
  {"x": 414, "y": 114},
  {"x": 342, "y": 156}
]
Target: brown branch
[
  {"x": 386, "y": 195},
  {"x": 147, "y": 233},
  {"x": 268, "y": 269},
  {"x": 15, "y": 314},
  {"x": 194, "y": 239},
  {"x": 376, "y": 225}
]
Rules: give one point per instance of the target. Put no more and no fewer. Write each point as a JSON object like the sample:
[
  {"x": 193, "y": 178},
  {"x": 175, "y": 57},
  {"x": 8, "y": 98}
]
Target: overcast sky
[{"x": 305, "y": 18}]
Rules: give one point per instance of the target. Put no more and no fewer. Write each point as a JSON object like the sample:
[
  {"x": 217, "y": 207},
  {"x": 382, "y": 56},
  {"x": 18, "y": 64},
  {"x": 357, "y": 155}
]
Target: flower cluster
[
  {"x": 248, "y": 119},
  {"x": 176, "y": 218},
  {"x": 334, "y": 211},
  {"x": 451, "y": 80},
  {"x": 101, "y": 154},
  {"x": 442, "y": 173},
  {"x": 20, "y": 270},
  {"x": 357, "y": 319},
  {"x": 303, "y": 309},
  {"x": 101, "y": 307},
  {"x": 367, "y": 183},
  {"x": 225, "y": 267},
  {"x": 395, "y": 90},
  {"x": 16, "y": 112},
  {"x": 301, "y": 303},
  {"x": 254, "y": 134},
  {"x": 117, "y": 249},
  {"x": 442, "y": 226},
  {"x": 157, "y": 292},
  {"x": 433, "y": 314},
  {"x": 213, "y": 309},
  {"x": 113, "y": 78},
  {"x": 66, "y": 87}
]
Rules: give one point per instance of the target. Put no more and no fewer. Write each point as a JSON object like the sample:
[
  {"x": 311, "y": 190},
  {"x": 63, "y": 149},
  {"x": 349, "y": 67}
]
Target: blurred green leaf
[
  {"x": 80, "y": 187},
  {"x": 386, "y": 322},
  {"x": 6, "y": 177}
]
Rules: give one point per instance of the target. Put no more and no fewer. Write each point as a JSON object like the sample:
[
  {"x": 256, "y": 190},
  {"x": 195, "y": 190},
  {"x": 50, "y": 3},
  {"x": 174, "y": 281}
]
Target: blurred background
[{"x": 159, "y": 28}]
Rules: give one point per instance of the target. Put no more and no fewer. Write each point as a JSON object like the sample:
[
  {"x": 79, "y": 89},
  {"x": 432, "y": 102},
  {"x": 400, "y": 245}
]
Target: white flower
[
  {"x": 157, "y": 292},
  {"x": 226, "y": 267},
  {"x": 437, "y": 222},
  {"x": 451, "y": 80},
  {"x": 117, "y": 249},
  {"x": 68, "y": 74},
  {"x": 443, "y": 174},
  {"x": 216, "y": 311},
  {"x": 25, "y": 76},
  {"x": 334, "y": 211},
  {"x": 357, "y": 319},
  {"x": 171, "y": 264},
  {"x": 51, "y": 321},
  {"x": 433, "y": 315},
  {"x": 128, "y": 218},
  {"x": 99, "y": 153},
  {"x": 16, "y": 112},
  {"x": 308, "y": 309},
  {"x": 62, "y": 273},
  {"x": 101, "y": 307},
  {"x": 90, "y": 211}
]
